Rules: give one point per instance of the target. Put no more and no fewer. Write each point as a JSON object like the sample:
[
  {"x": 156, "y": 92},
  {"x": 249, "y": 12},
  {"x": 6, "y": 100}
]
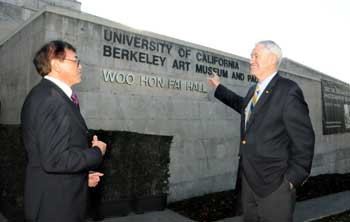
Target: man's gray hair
[{"x": 274, "y": 48}]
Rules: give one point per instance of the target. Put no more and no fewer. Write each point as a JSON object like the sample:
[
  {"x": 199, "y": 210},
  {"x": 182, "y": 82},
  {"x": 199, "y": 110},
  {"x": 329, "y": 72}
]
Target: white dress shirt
[{"x": 65, "y": 88}]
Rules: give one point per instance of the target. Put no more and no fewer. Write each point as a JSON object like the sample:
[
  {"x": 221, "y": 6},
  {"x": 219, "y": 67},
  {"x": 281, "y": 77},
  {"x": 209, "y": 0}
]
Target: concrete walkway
[
  {"x": 156, "y": 216},
  {"x": 316, "y": 208},
  {"x": 305, "y": 211}
]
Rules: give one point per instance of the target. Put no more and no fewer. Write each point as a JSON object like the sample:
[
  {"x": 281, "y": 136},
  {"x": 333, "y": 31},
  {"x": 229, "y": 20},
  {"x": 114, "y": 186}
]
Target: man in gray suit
[
  {"x": 55, "y": 138},
  {"x": 277, "y": 139}
]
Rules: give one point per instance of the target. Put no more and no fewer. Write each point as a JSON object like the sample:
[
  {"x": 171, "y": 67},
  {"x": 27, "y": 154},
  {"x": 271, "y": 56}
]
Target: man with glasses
[{"x": 55, "y": 138}]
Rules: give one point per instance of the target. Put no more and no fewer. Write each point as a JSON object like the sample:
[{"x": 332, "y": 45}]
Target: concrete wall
[
  {"x": 17, "y": 73},
  {"x": 332, "y": 152},
  {"x": 39, "y": 4},
  {"x": 203, "y": 155},
  {"x": 13, "y": 13},
  {"x": 11, "y": 17}
]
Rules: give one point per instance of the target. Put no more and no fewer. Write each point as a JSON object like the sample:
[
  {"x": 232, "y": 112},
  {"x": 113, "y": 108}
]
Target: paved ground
[
  {"x": 157, "y": 216},
  {"x": 305, "y": 211},
  {"x": 315, "y": 208}
]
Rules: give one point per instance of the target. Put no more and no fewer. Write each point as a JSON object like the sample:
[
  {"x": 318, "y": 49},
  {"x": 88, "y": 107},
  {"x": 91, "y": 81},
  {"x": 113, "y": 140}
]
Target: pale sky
[{"x": 314, "y": 33}]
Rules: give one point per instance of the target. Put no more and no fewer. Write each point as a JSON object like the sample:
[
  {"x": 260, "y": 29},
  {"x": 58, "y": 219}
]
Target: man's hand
[
  {"x": 101, "y": 145},
  {"x": 213, "y": 80},
  {"x": 94, "y": 178}
]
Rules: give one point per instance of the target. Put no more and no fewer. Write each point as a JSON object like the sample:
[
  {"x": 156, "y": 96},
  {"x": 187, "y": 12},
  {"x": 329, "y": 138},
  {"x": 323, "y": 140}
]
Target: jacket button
[{"x": 244, "y": 142}]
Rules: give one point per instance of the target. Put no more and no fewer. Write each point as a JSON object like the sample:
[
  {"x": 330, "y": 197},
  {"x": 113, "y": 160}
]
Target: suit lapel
[
  {"x": 262, "y": 100},
  {"x": 249, "y": 96},
  {"x": 74, "y": 110},
  {"x": 266, "y": 94},
  {"x": 77, "y": 115}
]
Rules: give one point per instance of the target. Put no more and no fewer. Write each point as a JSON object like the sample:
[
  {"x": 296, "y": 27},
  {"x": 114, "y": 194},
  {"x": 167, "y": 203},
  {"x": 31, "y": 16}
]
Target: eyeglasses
[{"x": 76, "y": 61}]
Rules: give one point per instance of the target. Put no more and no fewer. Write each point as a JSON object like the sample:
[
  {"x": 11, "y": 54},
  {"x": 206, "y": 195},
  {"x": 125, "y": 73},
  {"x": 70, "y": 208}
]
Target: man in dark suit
[
  {"x": 55, "y": 138},
  {"x": 277, "y": 139}
]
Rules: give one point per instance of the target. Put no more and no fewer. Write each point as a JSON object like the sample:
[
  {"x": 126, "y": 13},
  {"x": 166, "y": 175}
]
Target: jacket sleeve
[
  {"x": 229, "y": 98},
  {"x": 56, "y": 152},
  {"x": 302, "y": 137}
]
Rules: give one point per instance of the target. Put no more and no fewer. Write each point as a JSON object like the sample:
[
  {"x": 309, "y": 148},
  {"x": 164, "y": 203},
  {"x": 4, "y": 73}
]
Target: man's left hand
[
  {"x": 94, "y": 178},
  {"x": 213, "y": 80}
]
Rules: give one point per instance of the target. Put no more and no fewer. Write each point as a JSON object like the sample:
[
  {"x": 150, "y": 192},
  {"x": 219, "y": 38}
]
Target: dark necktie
[{"x": 75, "y": 100}]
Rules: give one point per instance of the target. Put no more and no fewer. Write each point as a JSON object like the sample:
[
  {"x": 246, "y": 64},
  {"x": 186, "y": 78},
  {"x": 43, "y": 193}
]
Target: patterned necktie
[
  {"x": 255, "y": 98},
  {"x": 253, "y": 103},
  {"x": 75, "y": 100}
]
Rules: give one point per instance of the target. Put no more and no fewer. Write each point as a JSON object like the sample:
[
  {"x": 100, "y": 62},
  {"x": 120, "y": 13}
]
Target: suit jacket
[
  {"x": 278, "y": 140},
  {"x": 59, "y": 157}
]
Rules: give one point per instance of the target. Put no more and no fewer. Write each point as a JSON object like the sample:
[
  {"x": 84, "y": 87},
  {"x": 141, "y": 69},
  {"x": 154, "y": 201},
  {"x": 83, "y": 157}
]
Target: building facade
[{"x": 143, "y": 82}]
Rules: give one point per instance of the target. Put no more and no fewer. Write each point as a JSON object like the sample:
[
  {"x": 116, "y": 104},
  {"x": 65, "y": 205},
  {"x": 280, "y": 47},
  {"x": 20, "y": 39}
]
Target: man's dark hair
[{"x": 52, "y": 50}]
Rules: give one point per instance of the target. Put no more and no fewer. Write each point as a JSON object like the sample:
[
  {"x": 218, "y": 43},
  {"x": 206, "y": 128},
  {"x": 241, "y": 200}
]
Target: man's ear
[
  {"x": 273, "y": 59},
  {"x": 55, "y": 66}
]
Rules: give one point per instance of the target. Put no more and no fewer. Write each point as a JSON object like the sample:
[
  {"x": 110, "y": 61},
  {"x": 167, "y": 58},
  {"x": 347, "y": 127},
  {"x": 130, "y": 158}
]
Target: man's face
[
  {"x": 70, "y": 69},
  {"x": 262, "y": 62}
]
